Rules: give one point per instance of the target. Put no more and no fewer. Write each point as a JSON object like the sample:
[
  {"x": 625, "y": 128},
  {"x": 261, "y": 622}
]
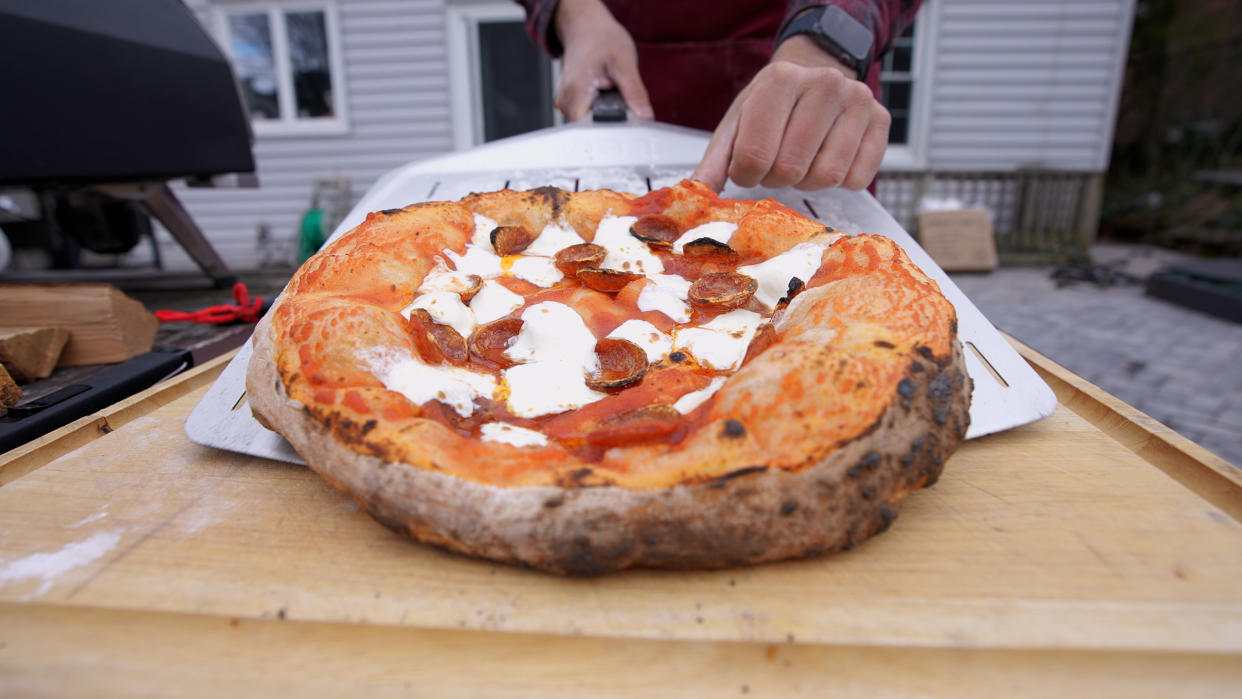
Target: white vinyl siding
[
  {"x": 999, "y": 87},
  {"x": 396, "y": 90},
  {"x": 1026, "y": 85}
]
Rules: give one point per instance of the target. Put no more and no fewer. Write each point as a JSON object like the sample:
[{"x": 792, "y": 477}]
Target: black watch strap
[{"x": 836, "y": 32}]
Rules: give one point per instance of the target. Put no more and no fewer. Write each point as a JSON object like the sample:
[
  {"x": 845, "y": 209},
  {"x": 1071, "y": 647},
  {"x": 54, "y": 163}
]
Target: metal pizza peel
[{"x": 636, "y": 157}]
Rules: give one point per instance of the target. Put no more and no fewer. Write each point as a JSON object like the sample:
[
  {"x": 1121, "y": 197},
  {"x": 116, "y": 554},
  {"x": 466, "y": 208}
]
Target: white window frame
[
  {"x": 465, "y": 75},
  {"x": 913, "y": 154},
  {"x": 290, "y": 124}
]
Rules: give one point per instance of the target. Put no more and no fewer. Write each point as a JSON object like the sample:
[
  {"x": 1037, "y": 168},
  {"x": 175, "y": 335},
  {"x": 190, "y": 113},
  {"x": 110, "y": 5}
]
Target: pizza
[{"x": 582, "y": 382}]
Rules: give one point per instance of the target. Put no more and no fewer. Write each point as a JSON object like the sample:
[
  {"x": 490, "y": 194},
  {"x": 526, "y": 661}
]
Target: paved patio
[{"x": 1179, "y": 366}]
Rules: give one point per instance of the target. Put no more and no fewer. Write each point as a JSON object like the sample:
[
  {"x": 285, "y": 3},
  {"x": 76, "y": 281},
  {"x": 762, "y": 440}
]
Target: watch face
[{"x": 846, "y": 32}]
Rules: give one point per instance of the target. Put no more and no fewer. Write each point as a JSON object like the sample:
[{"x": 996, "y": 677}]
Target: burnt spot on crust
[
  {"x": 905, "y": 388},
  {"x": 884, "y": 518},
  {"x": 368, "y": 426},
  {"x": 733, "y": 428},
  {"x": 788, "y": 507},
  {"x": 588, "y": 559},
  {"x": 916, "y": 367},
  {"x": 391, "y": 212},
  {"x": 582, "y": 478},
  {"x": 940, "y": 394},
  {"x": 867, "y": 493},
  {"x": 553, "y": 197},
  {"x": 884, "y": 343},
  {"x": 677, "y": 357},
  {"x": 555, "y": 501},
  {"x": 869, "y": 462},
  {"x": 925, "y": 351},
  {"x": 722, "y": 480}
]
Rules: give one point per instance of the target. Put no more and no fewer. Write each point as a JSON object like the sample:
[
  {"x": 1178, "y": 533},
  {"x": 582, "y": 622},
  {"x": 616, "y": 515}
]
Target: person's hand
[
  {"x": 803, "y": 122},
  {"x": 599, "y": 55}
]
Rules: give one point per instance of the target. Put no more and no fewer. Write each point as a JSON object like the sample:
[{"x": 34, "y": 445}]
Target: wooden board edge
[
  {"x": 51, "y": 650},
  {"x": 1204, "y": 473},
  {"x": 43, "y": 450}
]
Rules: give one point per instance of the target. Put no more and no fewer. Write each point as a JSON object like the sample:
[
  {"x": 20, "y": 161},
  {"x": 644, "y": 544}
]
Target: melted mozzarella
[
  {"x": 456, "y": 387},
  {"x": 554, "y": 238},
  {"x": 647, "y": 336},
  {"x": 694, "y": 399},
  {"x": 441, "y": 278},
  {"x": 625, "y": 252},
  {"x": 774, "y": 275},
  {"x": 493, "y": 302},
  {"x": 721, "y": 343},
  {"x": 445, "y": 308},
  {"x": 477, "y": 260},
  {"x": 483, "y": 227},
  {"x": 720, "y": 231},
  {"x": 557, "y": 350},
  {"x": 505, "y": 433},
  {"x": 540, "y": 271},
  {"x": 654, "y": 297}
]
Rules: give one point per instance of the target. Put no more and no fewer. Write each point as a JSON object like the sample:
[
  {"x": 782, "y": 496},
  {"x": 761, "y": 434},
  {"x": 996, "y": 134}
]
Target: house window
[
  {"x": 287, "y": 60},
  {"x": 501, "y": 82},
  {"x": 896, "y": 81}
]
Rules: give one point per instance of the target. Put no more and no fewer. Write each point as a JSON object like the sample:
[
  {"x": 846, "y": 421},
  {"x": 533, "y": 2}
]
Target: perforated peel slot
[
  {"x": 241, "y": 400},
  {"x": 986, "y": 364},
  {"x": 807, "y": 204}
]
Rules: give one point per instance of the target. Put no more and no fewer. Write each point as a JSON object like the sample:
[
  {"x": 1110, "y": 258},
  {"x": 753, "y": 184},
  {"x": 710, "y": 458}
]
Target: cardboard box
[{"x": 960, "y": 240}]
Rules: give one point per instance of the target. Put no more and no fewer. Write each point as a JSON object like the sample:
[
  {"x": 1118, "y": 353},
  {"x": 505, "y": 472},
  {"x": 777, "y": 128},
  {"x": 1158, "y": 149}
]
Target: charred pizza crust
[{"x": 809, "y": 447}]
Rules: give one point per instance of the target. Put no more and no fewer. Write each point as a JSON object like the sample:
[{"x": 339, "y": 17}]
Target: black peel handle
[{"x": 608, "y": 106}]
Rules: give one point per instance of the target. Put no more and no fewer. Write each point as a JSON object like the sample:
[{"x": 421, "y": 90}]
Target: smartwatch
[{"x": 837, "y": 33}]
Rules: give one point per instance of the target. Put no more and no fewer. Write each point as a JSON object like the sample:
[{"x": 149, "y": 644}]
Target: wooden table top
[{"x": 1092, "y": 552}]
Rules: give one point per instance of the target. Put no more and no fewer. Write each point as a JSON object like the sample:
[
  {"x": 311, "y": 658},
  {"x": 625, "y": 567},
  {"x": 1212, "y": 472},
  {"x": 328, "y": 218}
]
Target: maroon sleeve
[
  {"x": 887, "y": 19},
  {"x": 539, "y": 15}
]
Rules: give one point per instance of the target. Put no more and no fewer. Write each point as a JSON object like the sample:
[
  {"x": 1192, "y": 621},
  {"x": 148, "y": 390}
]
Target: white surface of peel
[
  {"x": 773, "y": 275},
  {"x": 721, "y": 343}
]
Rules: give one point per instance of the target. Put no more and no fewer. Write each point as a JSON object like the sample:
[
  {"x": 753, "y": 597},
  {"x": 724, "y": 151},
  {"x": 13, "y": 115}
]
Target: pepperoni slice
[
  {"x": 510, "y": 240},
  {"x": 646, "y": 424},
  {"x": 575, "y": 257},
  {"x": 709, "y": 250},
  {"x": 621, "y": 363},
  {"x": 607, "y": 280},
  {"x": 474, "y": 284},
  {"x": 722, "y": 290},
  {"x": 435, "y": 343},
  {"x": 656, "y": 230},
  {"x": 489, "y": 342}
]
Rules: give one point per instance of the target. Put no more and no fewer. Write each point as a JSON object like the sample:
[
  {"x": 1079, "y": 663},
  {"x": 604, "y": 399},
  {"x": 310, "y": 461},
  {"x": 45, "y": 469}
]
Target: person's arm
[
  {"x": 599, "y": 54},
  {"x": 806, "y": 120}
]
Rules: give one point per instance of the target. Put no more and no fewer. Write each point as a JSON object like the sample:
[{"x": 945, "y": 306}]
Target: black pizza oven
[{"x": 104, "y": 103}]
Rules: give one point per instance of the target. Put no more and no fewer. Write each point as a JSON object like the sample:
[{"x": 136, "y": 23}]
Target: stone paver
[{"x": 1179, "y": 366}]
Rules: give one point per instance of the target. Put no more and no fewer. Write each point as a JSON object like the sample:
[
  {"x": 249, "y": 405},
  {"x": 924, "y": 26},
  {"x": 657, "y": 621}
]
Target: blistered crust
[{"x": 810, "y": 447}]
